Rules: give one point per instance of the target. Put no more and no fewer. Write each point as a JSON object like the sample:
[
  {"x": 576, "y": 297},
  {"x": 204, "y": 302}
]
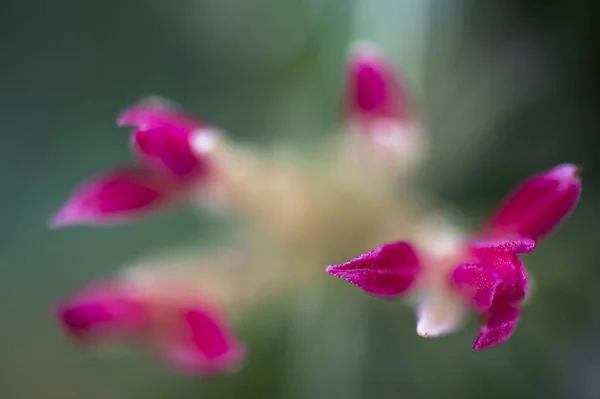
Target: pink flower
[
  {"x": 186, "y": 332},
  {"x": 163, "y": 138},
  {"x": 163, "y": 141},
  {"x": 484, "y": 274},
  {"x": 381, "y": 113}
]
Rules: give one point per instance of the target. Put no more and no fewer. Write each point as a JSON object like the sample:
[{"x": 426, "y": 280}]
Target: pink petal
[
  {"x": 539, "y": 204},
  {"x": 158, "y": 113},
  {"x": 499, "y": 327},
  {"x": 478, "y": 284},
  {"x": 386, "y": 271},
  {"x": 102, "y": 311},
  {"x": 374, "y": 89},
  {"x": 168, "y": 151},
  {"x": 208, "y": 347},
  {"x": 520, "y": 245},
  {"x": 499, "y": 257},
  {"x": 514, "y": 285},
  {"x": 115, "y": 196}
]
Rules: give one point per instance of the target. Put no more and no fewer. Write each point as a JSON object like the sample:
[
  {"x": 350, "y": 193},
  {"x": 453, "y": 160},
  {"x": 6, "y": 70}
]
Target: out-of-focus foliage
[{"x": 507, "y": 89}]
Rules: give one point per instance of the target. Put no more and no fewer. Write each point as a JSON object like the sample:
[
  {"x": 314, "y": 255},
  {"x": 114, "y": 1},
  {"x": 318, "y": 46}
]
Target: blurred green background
[{"x": 508, "y": 90}]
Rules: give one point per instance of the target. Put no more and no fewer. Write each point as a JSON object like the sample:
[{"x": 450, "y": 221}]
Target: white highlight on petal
[
  {"x": 439, "y": 314},
  {"x": 203, "y": 141}
]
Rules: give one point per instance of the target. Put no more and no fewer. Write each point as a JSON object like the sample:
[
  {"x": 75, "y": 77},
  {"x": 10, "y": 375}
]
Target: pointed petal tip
[
  {"x": 332, "y": 269},
  {"x": 136, "y": 114},
  {"x": 59, "y": 219},
  {"x": 365, "y": 49},
  {"x": 565, "y": 171},
  {"x": 500, "y": 326},
  {"x": 389, "y": 270},
  {"x": 439, "y": 314},
  {"x": 68, "y": 216},
  {"x": 113, "y": 197},
  {"x": 426, "y": 331}
]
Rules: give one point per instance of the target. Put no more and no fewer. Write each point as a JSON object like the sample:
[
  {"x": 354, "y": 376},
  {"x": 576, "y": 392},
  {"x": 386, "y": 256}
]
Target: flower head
[
  {"x": 484, "y": 273},
  {"x": 381, "y": 113}
]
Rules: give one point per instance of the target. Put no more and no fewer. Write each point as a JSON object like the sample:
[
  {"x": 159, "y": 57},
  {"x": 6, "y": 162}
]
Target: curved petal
[
  {"x": 478, "y": 284},
  {"x": 499, "y": 327}
]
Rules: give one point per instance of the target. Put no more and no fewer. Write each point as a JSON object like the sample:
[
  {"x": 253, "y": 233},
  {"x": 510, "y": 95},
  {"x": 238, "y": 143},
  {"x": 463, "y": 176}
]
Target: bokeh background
[{"x": 507, "y": 88}]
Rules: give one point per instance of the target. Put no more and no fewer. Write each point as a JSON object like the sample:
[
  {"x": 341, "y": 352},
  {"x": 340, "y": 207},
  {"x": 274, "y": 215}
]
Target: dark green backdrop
[{"x": 521, "y": 76}]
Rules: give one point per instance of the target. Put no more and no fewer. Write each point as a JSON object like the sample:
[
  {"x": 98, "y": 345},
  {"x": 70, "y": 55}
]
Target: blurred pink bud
[
  {"x": 500, "y": 325},
  {"x": 374, "y": 89},
  {"x": 163, "y": 139},
  {"x": 189, "y": 335},
  {"x": 206, "y": 347},
  {"x": 539, "y": 204},
  {"x": 115, "y": 196},
  {"x": 389, "y": 270},
  {"x": 104, "y": 310}
]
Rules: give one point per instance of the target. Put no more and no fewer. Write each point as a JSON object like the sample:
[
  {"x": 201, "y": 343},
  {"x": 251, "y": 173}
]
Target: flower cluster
[
  {"x": 299, "y": 216},
  {"x": 483, "y": 272}
]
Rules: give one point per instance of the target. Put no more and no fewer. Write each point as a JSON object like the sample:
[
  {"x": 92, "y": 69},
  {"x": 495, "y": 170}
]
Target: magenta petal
[
  {"x": 103, "y": 311},
  {"x": 514, "y": 285},
  {"x": 209, "y": 346},
  {"x": 539, "y": 204},
  {"x": 478, "y": 284},
  {"x": 168, "y": 150},
  {"x": 520, "y": 245},
  {"x": 374, "y": 89},
  {"x": 386, "y": 271},
  {"x": 150, "y": 114},
  {"x": 113, "y": 197},
  {"x": 501, "y": 324}
]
